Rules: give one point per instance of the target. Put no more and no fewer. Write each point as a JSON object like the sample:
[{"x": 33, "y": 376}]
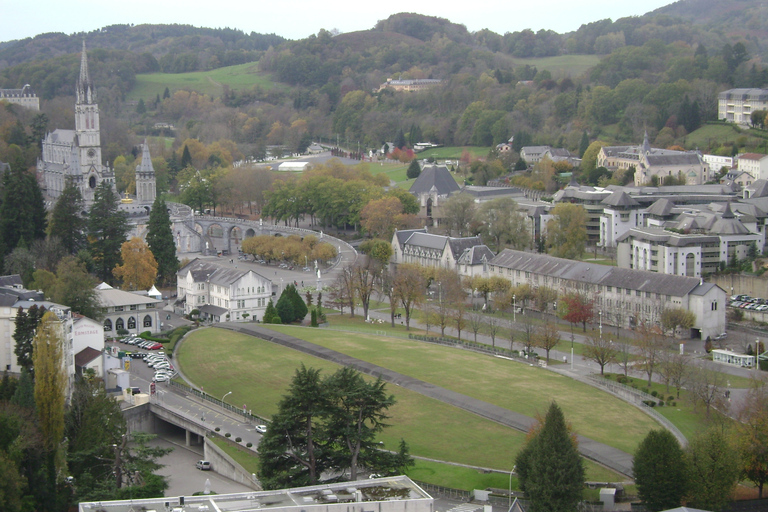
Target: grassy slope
[
  {"x": 569, "y": 65},
  {"x": 240, "y": 77}
]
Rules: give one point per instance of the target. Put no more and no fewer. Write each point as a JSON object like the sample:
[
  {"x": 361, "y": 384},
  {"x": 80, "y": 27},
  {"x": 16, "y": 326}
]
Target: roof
[
  {"x": 213, "y": 310},
  {"x": 459, "y": 245},
  {"x": 664, "y": 284},
  {"x": 752, "y": 156},
  {"x": 677, "y": 159},
  {"x": 620, "y": 198},
  {"x": 758, "y": 188},
  {"x": 114, "y": 297},
  {"x": 437, "y": 177},
  {"x": 206, "y": 271},
  {"x": 475, "y": 255},
  {"x": 13, "y": 280},
  {"x": 403, "y": 235},
  {"x": 86, "y": 355},
  {"x": 427, "y": 240},
  {"x": 662, "y": 208}
]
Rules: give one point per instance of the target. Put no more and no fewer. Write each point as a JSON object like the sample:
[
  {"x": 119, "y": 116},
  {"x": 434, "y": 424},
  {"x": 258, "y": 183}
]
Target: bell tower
[{"x": 87, "y": 132}]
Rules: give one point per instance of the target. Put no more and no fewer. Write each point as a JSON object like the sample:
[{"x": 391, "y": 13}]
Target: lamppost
[
  {"x": 601, "y": 323},
  {"x": 225, "y": 396},
  {"x": 510, "y": 485},
  {"x": 514, "y": 308}
]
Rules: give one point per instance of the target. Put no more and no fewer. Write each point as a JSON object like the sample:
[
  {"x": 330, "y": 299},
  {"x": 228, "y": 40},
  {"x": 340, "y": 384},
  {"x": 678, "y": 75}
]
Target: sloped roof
[
  {"x": 620, "y": 198},
  {"x": 206, "y": 271},
  {"x": 435, "y": 176},
  {"x": 114, "y": 297},
  {"x": 752, "y": 156},
  {"x": 474, "y": 255},
  {"x": 403, "y": 235},
  {"x": 11, "y": 281},
  {"x": 758, "y": 188},
  {"x": 661, "y": 207},
  {"x": 677, "y": 159},
  {"x": 86, "y": 355},
  {"x": 213, "y": 310},
  {"x": 458, "y": 245}
]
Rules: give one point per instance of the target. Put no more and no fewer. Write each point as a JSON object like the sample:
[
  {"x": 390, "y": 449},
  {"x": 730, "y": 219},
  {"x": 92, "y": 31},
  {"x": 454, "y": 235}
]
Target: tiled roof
[
  {"x": 86, "y": 355},
  {"x": 435, "y": 176}
]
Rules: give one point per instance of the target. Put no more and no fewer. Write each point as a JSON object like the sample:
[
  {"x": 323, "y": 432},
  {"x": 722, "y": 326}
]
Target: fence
[
  {"x": 445, "y": 492},
  {"x": 247, "y": 415},
  {"x": 638, "y": 398}
]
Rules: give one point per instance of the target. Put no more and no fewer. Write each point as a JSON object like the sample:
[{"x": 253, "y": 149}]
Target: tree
[
  {"x": 50, "y": 379},
  {"x": 107, "y": 227},
  {"x": 139, "y": 268},
  {"x": 529, "y": 333},
  {"x": 752, "y": 436},
  {"x": 160, "y": 241},
  {"x": 67, "y": 222},
  {"x": 502, "y": 225},
  {"x": 358, "y": 411},
  {"x": 270, "y": 313},
  {"x": 713, "y": 465},
  {"x": 650, "y": 342},
  {"x": 379, "y": 217},
  {"x": 457, "y": 214},
  {"x": 705, "y": 387},
  {"x": 364, "y": 275},
  {"x": 576, "y": 309},
  {"x": 567, "y": 231},
  {"x": 284, "y": 307},
  {"x": 549, "y": 467},
  {"x": 547, "y": 338},
  {"x": 22, "y": 210},
  {"x": 600, "y": 351},
  {"x": 672, "y": 318},
  {"x": 377, "y": 249},
  {"x": 24, "y": 335},
  {"x": 409, "y": 289},
  {"x": 414, "y": 170},
  {"x": 660, "y": 471},
  {"x": 75, "y": 287}
]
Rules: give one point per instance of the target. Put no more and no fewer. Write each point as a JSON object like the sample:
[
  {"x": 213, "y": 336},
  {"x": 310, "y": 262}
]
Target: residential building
[
  {"x": 738, "y": 180},
  {"x": 533, "y": 154},
  {"x": 127, "y": 312},
  {"x": 562, "y": 155},
  {"x": 25, "y": 97},
  {"x": 222, "y": 293},
  {"x": 620, "y": 214},
  {"x": 75, "y": 155},
  {"x": 755, "y": 164},
  {"x": 625, "y": 297},
  {"x": 409, "y": 85},
  {"x": 737, "y": 105},
  {"x": 438, "y": 251},
  {"x": 717, "y": 162},
  {"x": 591, "y": 198},
  {"x": 474, "y": 261}
]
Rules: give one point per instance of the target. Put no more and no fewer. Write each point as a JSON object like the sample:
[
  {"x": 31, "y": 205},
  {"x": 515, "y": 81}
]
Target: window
[
  {"x": 107, "y": 324},
  {"x": 134, "y": 307},
  {"x": 119, "y": 308},
  {"x": 637, "y": 293},
  {"x": 132, "y": 322},
  {"x": 119, "y": 324},
  {"x": 147, "y": 321}
]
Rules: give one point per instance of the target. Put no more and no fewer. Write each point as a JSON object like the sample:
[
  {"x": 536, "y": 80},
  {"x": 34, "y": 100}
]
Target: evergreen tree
[
  {"x": 66, "y": 221},
  {"x": 284, "y": 307},
  {"x": 160, "y": 241},
  {"x": 400, "y": 140},
  {"x": 300, "y": 309},
  {"x": 107, "y": 228},
  {"x": 269, "y": 313},
  {"x": 25, "y": 391},
  {"x": 166, "y": 93},
  {"x": 24, "y": 335},
  {"x": 584, "y": 144},
  {"x": 550, "y": 469},
  {"x": 141, "y": 108},
  {"x": 22, "y": 210},
  {"x": 414, "y": 169},
  {"x": 186, "y": 158},
  {"x": 660, "y": 471}
]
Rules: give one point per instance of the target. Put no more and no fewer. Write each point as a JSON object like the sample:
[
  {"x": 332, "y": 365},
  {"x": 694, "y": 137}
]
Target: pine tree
[
  {"x": 400, "y": 140},
  {"x": 550, "y": 468},
  {"x": 414, "y": 170},
  {"x": 66, "y": 221},
  {"x": 300, "y": 309},
  {"x": 584, "y": 144},
  {"x": 269, "y": 313},
  {"x": 22, "y": 210},
  {"x": 24, "y": 334},
  {"x": 107, "y": 228},
  {"x": 660, "y": 471},
  {"x": 186, "y": 158},
  {"x": 141, "y": 108},
  {"x": 160, "y": 241},
  {"x": 284, "y": 307},
  {"x": 166, "y": 93}
]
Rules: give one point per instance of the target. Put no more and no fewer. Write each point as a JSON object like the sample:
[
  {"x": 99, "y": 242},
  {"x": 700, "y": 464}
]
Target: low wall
[
  {"x": 139, "y": 418},
  {"x": 226, "y": 466}
]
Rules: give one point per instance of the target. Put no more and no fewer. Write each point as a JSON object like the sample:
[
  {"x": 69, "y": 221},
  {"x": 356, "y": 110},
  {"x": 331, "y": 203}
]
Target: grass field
[
  {"x": 240, "y": 77},
  {"x": 568, "y": 65},
  {"x": 453, "y": 153},
  {"x": 258, "y": 373}
]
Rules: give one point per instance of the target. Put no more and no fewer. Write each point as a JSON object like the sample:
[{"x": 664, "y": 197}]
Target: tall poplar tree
[
  {"x": 22, "y": 210},
  {"x": 160, "y": 241},
  {"x": 67, "y": 222},
  {"x": 50, "y": 379},
  {"x": 107, "y": 227}
]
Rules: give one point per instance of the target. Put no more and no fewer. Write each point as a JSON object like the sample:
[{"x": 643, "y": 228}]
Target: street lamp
[
  {"x": 514, "y": 308},
  {"x": 601, "y": 324},
  {"x": 225, "y": 396},
  {"x": 510, "y": 485}
]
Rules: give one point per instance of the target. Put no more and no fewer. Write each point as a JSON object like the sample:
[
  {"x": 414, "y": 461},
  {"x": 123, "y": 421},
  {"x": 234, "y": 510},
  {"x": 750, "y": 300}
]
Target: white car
[
  {"x": 261, "y": 429},
  {"x": 161, "y": 377}
]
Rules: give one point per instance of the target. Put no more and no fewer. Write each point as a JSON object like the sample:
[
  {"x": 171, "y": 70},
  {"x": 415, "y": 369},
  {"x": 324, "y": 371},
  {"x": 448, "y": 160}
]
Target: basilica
[{"x": 75, "y": 155}]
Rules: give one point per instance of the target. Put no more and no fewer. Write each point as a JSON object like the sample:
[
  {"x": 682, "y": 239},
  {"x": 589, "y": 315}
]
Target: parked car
[
  {"x": 161, "y": 377},
  {"x": 261, "y": 429},
  {"x": 721, "y": 336},
  {"x": 203, "y": 465}
]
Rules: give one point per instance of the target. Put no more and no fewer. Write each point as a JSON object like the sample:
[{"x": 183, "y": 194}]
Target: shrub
[
  {"x": 621, "y": 379},
  {"x": 248, "y": 444},
  {"x": 661, "y": 403},
  {"x": 670, "y": 398},
  {"x": 238, "y": 439},
  {"x": 654, "y": 393},
  {"x": 217, "y": 429},
  {"x": 650, "y": 403},
  {"x": 227, "y": 435}
]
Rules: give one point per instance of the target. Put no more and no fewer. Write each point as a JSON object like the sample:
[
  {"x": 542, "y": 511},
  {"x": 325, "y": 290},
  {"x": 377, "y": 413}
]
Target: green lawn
[
  {"x": 514, "y": 386},
  {"x": 240, "y": 77},
  {"x": 453, "y": 153},
  {"x": 242, "y": 455},
  {"x": 572, "y": 65}
]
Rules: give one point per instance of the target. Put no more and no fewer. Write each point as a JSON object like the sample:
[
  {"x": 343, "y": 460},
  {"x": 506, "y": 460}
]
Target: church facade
[{"x": 75, "y": 155}]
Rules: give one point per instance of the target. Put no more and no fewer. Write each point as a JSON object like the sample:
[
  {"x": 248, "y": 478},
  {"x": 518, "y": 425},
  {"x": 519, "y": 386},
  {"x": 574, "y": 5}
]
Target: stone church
[{"x": 75, "y": 155}]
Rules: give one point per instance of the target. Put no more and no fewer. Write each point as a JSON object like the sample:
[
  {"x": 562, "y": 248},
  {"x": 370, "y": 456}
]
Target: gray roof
[
  {"x": 620, "y": 198},
  {"x": 403, "y": 235},
  {"x": 641, "y": 280},
  {"x": 676, "y": 159},
  {"x": 744, "y": 94},
  {"x": 11, "y": 281},
  {"x": 670, "y": 238},
  {"x": 662, "y": 208},
  {"x": 7, "y": 300},
  {"x": 213, "y": 310},
  {"x": 459, "y": 245},
  {"x": 437, "y": 177},
  {"x": 428, "y": 240},
  {"x": 206, "y": 271},
  {"x": 62, "y": 136},
  {"x": 113, "y": 297},
  {"x": 474, "y": 255},
  {"x": 758, "y": 188}
]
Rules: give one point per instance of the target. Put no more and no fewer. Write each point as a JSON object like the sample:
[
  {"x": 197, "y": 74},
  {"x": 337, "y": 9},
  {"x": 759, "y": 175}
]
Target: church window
[{"x": 132, "y": 323}]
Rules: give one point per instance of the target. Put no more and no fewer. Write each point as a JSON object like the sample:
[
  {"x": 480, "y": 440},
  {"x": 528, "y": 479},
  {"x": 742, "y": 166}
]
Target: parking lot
[{"x": 748, "y": 303}]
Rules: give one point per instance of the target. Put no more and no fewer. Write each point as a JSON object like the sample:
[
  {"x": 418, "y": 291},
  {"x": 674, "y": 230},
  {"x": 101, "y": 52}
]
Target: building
[
  {"x": 75, "y": 155},
  {"x": 146, "y": 186},
  {"x": 409, "y": 85},
  {"x": 25, "y": 97},
  {"x": 433, "y": 186},
  {"x": 533, "y": 154},
  {"x": 717, "y": 162},
  {"x": 222, "y": 293},
  {"x": 754, "y": 164},
  {"x": 737, "y": 105},
  {"x": 126, "y": 312},
  {"x": 389, "y": 494},
  {"x": 428, "y": 250},
  {"x": 621, "y": 213},
  {"x": 624, "y": 297}
]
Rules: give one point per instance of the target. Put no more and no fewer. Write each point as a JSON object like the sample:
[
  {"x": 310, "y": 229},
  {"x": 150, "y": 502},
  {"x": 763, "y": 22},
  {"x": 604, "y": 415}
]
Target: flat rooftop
[{"x": 393, "y": 494}]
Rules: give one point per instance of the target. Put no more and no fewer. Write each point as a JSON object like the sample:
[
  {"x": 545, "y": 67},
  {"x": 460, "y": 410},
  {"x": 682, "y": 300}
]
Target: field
[
  {"x": 453, "y": 153},
  {"x": 240, "y": 77},
  {"x": 562, "y": 65}
]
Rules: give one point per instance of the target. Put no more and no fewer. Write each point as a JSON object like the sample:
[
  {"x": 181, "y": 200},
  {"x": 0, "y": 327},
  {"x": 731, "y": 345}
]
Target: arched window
[
  {"x": 132, "y": 323},
  {"x": 147, "y": 321},
  {"x": 107, "y": 324},
  {"x": 119, "y": 324}
]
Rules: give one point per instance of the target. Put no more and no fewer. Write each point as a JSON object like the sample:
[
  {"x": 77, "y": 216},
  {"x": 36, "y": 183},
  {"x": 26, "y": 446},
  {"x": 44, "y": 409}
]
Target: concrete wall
[
  {"x": 140, "y": 419},
  {"x": 226, "y": 466},
  {"x": 753, "y": 286}
]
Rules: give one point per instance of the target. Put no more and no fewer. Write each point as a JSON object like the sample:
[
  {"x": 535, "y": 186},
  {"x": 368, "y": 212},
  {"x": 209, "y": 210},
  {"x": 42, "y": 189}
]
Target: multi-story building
[
  {"x": 754, "y": 164},
  {"x": 25, "y": 97},
  {"x": 428, "y": 250},
  {"x": 621, "y": 296},
  {"x": 432, "y": 188},
  {"x": 533, "y": 154},
  {"x": 620, "y": 214},
  {"x": 222, "y": 293},
  {"x": 737, "y": 105},
  {"x": 127, "y": 312}
]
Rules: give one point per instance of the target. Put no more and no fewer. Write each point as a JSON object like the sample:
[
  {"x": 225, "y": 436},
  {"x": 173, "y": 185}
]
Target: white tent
[{"x": 154, "y": 293}]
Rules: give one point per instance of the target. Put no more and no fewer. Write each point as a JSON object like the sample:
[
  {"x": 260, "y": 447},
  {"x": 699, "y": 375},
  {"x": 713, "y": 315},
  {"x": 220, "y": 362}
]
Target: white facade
[
  {"x": 737, "y": 105},
  {"x": 129, "y": 312},
  {"x": 717, "y": 162},
  {"x": 616, "y": 222},
  {"x": 754, "y": 164}
]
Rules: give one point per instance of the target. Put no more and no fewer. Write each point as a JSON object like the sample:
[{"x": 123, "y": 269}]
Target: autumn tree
[
  {"x": 547, "y": 338},
  {"x": 50, "y": 379},
  {"x": 672, "y": 318},
  {"x": 457, "y": 214},
  {"x": 567, "y": 231},
  {"x": 650, "y": 343},
  {"x": 575, "y": 308},
  {"x": 139, "y": 268},
  {"x": 379, "y": 217},
  {"x": 364, "y": 276},
  {"x": 502, "y": 225},
  {"x": 409, "y": 288},
  {"x": 449, "y": 292},
  {"x": 75, "y": 287},
  {"x": 706, "y": 388},
  {"x": 600, "y": 350},
  {"x": 752, "y": 435}
]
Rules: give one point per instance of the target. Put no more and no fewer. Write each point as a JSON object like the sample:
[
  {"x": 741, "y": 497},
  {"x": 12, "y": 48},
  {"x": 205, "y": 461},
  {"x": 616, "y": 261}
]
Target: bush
[
  {"x": 248, "y": 444},
  {"x": 670, "y": 398},
  {"x": 654, "y": 393},
  {"x": 650, "y": 403},
  {"x": 661, "y": 403},
  {"x": 217, "y": 429},
  {"x": 238, "y": 439},
  {"x": 227, "y": 435},
  {"x": 621, "y": 379}
]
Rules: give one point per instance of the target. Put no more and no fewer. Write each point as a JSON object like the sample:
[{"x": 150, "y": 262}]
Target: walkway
[{"x": 610, "y": 457}]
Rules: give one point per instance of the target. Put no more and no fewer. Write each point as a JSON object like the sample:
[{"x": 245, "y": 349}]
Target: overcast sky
[{"x": 297, "y": 19}]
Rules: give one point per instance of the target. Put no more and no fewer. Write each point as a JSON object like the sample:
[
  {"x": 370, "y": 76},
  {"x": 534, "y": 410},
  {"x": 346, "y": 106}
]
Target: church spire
[
  {"x": 84, "y": 66},
  {"x": 146, "y": 160},
  {"x": 85, "y": 90}
]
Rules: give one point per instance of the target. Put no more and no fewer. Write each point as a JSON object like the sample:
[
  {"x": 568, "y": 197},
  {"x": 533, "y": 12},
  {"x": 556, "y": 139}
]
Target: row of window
[
  {"x": 132, "y": 307},
  {"x": 120, "y": 324}
]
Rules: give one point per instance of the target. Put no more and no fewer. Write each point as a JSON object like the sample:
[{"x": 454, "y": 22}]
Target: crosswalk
[{"x": 466, "y": 507}]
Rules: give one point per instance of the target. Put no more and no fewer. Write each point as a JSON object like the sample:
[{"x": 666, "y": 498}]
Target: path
[{"x": 608, "y": 456}]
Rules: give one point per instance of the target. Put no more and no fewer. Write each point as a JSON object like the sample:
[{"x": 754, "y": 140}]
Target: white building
[
  {"x": 222, "y": 293},
  {"x": 128, "y": 312},
  {"x": 737, "y": 105},
  {"x": 428, "y": 250},
  {"x": 754, "y": 164},
  {"x": 25, "y": 97},
  {"x": 620, "y": 214}
]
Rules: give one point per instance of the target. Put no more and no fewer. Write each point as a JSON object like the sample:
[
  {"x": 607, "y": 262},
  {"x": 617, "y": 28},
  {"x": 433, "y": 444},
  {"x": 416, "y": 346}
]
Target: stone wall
[
  {"x": 736, "y": 284},
  {"x": 226, "y": 466}
]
